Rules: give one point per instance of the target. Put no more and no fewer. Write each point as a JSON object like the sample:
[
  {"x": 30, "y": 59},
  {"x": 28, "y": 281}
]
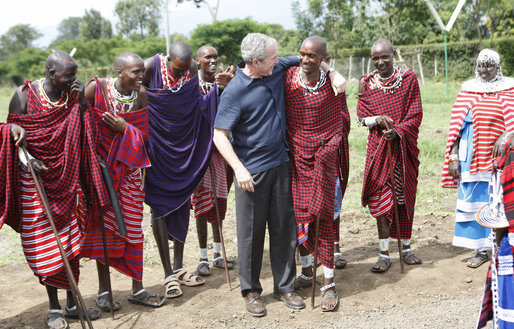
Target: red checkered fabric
[
  {"x": 486, "y": 309},
  {"x": 492, "y": 115},
  {"x": 65, "y": 140},
  {"x": 125, "y": 154},
  {"x": 506, "y": 164},
  {"x": 404, "y": 108},
  {"x": 317, "y": 130},
  {"x": 125, "y": 150},
  {"x": 328, "y": 235},
  {"x": 9, "y": 196}
]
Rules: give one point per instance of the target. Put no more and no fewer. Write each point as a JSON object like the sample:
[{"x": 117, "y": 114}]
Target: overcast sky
[{"x": 46, "y": 15}]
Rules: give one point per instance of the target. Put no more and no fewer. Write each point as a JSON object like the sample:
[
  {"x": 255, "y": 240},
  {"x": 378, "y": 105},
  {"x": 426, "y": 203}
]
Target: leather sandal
[
  {"x": 188, "y": 279},
  {"x": 172, "y": 287},
  {"x": 382, "y": 259}
]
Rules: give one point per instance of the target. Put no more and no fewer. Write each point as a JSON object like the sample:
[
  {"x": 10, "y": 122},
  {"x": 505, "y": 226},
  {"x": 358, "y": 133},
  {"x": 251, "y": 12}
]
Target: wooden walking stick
[
  {"x": 218, "y": 217},
  {"x": 79, "y": 302},
  {"x": 315, "y": 261},
  {"x": 106, "y": 258},
  {"x": 395, "y": 205}
]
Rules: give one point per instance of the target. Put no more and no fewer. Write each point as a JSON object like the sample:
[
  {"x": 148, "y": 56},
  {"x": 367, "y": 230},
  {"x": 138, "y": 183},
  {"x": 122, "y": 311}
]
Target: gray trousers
[{"x": 271, "y": 203}]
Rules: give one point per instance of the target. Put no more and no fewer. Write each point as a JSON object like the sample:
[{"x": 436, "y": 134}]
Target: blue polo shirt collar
[{"x": 245, "y": 78}]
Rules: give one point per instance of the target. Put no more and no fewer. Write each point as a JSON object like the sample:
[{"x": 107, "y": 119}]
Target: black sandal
[
  {"x": 385, "y": 259},
  {"x": 143, "y": 298},
  {"x": 479, "y": 258}
]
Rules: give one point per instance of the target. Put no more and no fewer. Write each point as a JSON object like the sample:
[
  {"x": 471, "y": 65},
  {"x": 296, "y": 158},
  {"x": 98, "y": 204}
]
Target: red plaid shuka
[
  {"x": 64, "y": 139},
  {"x": 404, "y": 108},
  {"x": 125, "y": 154},
  {"x": 317, "y": 131},
  {"x": 9, "y": 195},
  {"x": 492, "y": 115},
  {"x": 507, "y": 181}
]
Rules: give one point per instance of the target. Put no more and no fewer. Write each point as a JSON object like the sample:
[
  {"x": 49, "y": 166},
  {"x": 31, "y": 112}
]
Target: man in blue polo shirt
[{"x": 252, "y": 109}]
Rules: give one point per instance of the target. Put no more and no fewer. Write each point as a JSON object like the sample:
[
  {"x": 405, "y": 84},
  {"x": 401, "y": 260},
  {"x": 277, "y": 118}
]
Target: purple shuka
[{"x": 179, "y": 147}]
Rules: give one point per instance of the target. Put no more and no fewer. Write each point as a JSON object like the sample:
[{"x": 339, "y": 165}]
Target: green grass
[{"x": 5, "y": 98}]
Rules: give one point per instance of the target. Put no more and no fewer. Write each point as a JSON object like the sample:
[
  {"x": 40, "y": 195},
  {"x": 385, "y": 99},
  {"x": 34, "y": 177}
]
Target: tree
[
  {"x": 69, "y": 29},
  {"x": 226, "y": 36},
  {"x": 94, "y": 26},
  {"x": 138, "y": 16},
  {"x": 17, "y": 38},
  {"x": 213, "y": 10},
  {"x": 500, "y": 18}
]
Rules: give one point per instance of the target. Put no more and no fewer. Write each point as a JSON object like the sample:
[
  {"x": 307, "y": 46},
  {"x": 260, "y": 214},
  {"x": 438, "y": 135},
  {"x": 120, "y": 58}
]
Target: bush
[{"x": 461, "y": 56}]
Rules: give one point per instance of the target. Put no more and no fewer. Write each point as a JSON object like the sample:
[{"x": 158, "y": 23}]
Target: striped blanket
[{"x": 492, "y": 115}]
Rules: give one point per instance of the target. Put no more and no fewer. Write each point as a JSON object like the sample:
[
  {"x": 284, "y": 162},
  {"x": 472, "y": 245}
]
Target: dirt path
[{"x": 441, "y": 293}]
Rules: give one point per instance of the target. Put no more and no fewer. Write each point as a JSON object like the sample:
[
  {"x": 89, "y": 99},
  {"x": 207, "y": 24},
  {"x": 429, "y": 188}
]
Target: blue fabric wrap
[{"x": 179, "y": 144}]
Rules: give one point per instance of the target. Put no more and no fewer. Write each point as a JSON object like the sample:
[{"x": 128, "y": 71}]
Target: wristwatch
[{"x": 330, "y": 70}]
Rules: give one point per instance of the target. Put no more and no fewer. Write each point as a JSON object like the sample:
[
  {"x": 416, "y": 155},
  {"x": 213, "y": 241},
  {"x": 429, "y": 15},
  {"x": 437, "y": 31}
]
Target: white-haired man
[{"x": 252, "y": 109}]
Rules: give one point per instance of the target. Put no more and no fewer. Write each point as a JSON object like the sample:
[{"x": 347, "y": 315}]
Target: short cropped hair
[{"x": 256, "y": 45}]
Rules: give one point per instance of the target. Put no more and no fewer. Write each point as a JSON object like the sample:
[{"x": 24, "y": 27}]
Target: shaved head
[
  {"x": 203, "y": 48},
  {"x": 321, "y": 44},
  {"x": 384, "y": 43},
  {"x": 127, "y": 58},
  {"x": 182, "y": 51},
  {"x": 57, "y": 60}
]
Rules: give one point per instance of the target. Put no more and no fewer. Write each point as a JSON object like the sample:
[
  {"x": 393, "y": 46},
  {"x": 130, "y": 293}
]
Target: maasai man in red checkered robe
[
  {"x": 121, "y": 112},
  {"x": 203, "y": 200},
  {"x": 390, "y": 106},
  {"x": 62, "y": 140},
  {"x": 318, "y": 123}
]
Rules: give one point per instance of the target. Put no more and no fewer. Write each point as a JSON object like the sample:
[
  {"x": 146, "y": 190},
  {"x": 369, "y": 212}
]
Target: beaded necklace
[
  {"x": 119, "y": 103},
  {"x": 205, "y": 86},
  {"x": 45, "y": 100},
  {"x": 314, "y": 89},
  {"x": 389, "y": 84},
  {"x": 169, "y": 82}
]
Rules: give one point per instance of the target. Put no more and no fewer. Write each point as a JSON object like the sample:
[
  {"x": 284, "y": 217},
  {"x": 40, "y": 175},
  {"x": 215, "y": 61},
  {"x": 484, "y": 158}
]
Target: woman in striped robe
[{"x": 480, "y": 118}]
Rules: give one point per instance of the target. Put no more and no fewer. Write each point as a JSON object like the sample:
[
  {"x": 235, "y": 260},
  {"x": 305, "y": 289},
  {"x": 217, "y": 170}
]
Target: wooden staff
[
  {"x": 106, "y": 258},
  {"x": 79, "y": 302},
  {"x": 218, "y": 217},
  {"x": 395, "y": 205},
  {"x": 315, "y": 262},
  {"x": 116, "y": 209}
]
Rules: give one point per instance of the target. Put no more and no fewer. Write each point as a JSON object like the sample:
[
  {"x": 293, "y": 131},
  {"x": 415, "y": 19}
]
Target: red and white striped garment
[
  {"x": 38, "y": 241},
  {"x": 202, "y": 199},
  {"x": 381, "y": 203},
  {"x": 492, "y": 114},
  {"x": 125, "y": 253},
  {"x": 130, "y": 197}
]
